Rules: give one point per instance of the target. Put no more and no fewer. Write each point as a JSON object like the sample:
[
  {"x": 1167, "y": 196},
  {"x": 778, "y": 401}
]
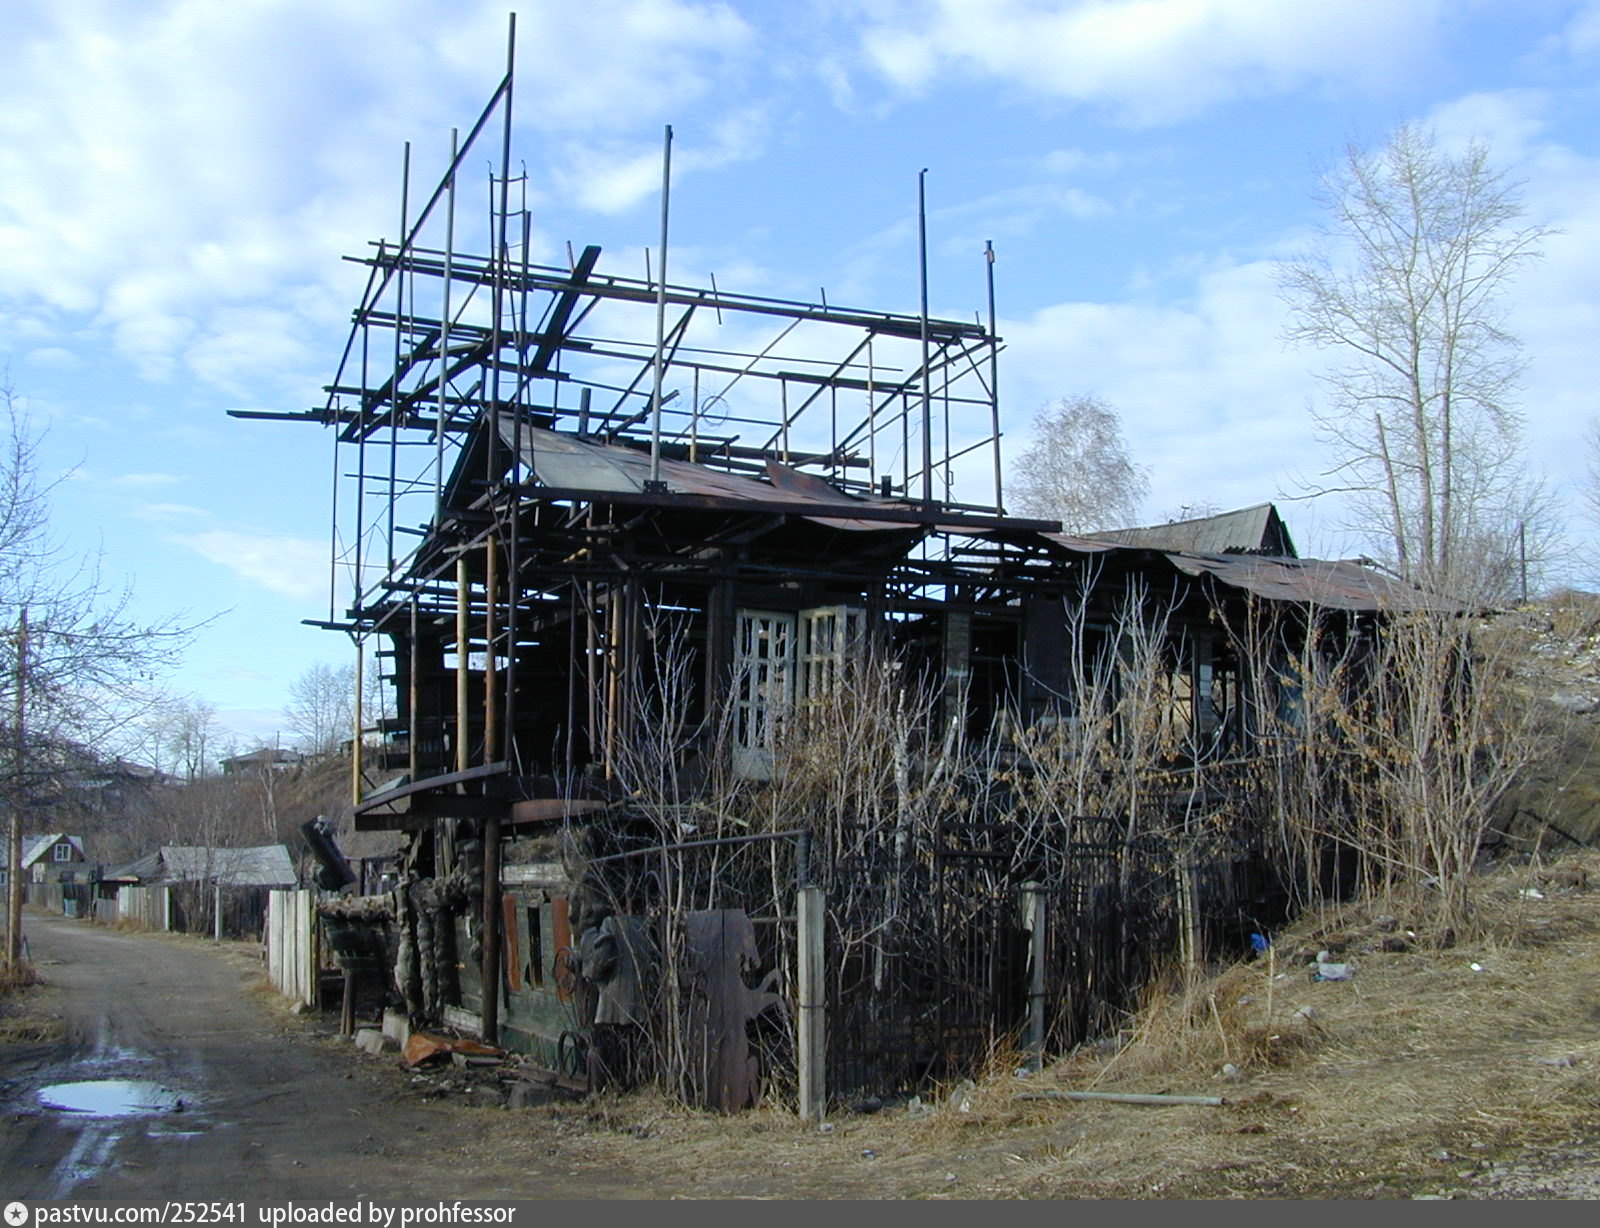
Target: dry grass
[
  {"x": 22, "y": 1021},
  {"x": 1408, "y": 1078}
]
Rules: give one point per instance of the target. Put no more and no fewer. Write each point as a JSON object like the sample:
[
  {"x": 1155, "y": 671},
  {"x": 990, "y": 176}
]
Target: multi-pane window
[
  {"x": 763, "y": 687},
  {"x": 830, "y": 637},
  {"x": 782, "y": 660}
]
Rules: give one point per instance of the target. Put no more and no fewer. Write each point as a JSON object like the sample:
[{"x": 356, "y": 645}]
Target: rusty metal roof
[
  {"x": 565, "y": 463},
  {"x": 1255, "y": 530},
  {"x": 1335, "y": 584}
]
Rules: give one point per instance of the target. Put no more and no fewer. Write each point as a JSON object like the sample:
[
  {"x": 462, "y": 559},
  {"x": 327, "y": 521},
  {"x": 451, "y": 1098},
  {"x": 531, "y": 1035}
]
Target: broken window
[
  {"x": 830, "y": 638},
  {"x": 782, "y": 660},
  {"x": 763, "y": 668}
]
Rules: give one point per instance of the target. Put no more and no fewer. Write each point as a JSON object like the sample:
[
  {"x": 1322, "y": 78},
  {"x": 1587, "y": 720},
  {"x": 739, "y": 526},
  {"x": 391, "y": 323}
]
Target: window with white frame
[
  {"x": 782, "y": 660},
  {"x": 830, "y": 638},
  {"x": 63, "y": 851},
  {"x": 763, "y": 668}
]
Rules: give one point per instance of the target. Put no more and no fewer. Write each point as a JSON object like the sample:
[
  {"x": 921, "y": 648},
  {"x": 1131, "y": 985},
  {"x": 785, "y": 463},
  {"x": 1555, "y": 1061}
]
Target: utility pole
[{"x": 18, "y": 791}]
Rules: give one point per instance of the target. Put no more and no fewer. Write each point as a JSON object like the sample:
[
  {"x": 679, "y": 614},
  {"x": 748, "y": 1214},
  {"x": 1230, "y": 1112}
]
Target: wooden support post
[
  {"x": 1035, "y": 919},
  {"x": 19, "y": 730},
  {"x": 811, "y": 1040},
  {"x": 614, "y": 629},
  {"x": 412, "y": 731},
  {"x": 216, "y": 921},
  {"x": 463, "y": 655},
  {"x": 347, "y": 1009},
  {"x": 493, "y": 916},
  {"x": 491, "y": 556},
  {"x": 360, "y": 719}
]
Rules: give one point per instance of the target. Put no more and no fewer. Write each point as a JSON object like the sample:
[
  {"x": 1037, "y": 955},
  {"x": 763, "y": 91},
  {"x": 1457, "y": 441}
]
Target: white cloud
[
  {"x": 292, "y": 566},
  {"x": 1507, "y": 121},
  {"x": 166, "y": 166},
  {"x": 1581, "y": 37},
  {"x": 1150, "y": 60},
  {"x": 53, "y": 357},
  {"x": 169, "y": 512},
  {"x": 613, "y": 176},
  {"x": 141, "y": 481},
  {"x": 1079, "y": 162},
  {"x": 1209, "y": 397}
]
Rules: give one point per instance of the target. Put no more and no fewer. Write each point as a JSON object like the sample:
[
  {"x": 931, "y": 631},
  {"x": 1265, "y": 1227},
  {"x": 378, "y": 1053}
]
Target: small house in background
[
  {"x": 56, "y": 858},
  {"x": 267, "y": 759},
  {"x": 178, "y": 887}
]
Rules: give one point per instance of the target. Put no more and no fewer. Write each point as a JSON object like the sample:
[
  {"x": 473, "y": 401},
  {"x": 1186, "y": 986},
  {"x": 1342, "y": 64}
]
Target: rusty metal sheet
[
  {"x": 562, "y": 462},
  {"x": 510, "y": 947},
  {"x": 561, "y": 959},
  {"x": 424, "y": 1047},
  {"x": 720, "y": 946},
  {"x": 1333, "y": 583}
]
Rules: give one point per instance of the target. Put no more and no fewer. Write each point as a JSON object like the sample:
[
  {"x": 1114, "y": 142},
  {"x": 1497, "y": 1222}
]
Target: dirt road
[
  {"x": 1462, "y": 1071},
  {"x": 187, "y": 1084}
]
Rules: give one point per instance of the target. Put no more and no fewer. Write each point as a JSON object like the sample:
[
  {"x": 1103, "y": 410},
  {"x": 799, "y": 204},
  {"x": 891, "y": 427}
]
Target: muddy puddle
[{"x": 111, "y": 1098}]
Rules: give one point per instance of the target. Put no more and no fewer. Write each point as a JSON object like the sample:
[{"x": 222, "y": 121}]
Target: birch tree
[
  {"x": 1076, "y": 468},
  {"x": 1406, "y": 289}
]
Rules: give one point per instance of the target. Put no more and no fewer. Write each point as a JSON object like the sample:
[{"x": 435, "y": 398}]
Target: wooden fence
[
  {"x": 148, "y": 907},
  {"x": 291, "y": 944}
]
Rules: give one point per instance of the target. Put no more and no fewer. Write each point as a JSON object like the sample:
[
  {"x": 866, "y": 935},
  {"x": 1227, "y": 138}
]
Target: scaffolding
[{"x": 525, "y": 453}]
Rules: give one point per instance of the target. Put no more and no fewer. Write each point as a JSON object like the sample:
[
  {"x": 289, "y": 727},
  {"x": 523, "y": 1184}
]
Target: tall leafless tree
[
  {"x": 321, "y": 707},
  {"x": 322, "y": 704},
  {"x": 1077, "y": 470},
  {"x": 75, "y": 665},
  {"x": 1407, "y": 289}
]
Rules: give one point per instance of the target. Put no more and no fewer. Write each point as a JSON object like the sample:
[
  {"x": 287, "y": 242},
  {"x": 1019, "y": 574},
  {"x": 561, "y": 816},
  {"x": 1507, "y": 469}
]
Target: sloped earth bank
[{"x": 1465, "y": 1069}]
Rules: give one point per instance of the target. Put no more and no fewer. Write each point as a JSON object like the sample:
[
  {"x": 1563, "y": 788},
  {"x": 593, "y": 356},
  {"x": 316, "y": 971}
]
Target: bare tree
[
  {"x": 75, "y": 666},
  {"x": 1076, "y": 469},
  {"x": 321, "y": 707},
  {"x": 1591, "y": 485},
  {"x": 1407, "y": 287},
  {"x": 184, "y": 738}
]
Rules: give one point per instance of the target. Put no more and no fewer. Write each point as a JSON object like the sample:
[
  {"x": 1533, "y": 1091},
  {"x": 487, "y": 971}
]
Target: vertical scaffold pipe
[{"x": 463, "y": 656}]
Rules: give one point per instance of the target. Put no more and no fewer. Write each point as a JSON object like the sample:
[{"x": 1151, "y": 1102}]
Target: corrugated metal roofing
[
  {"x": 265, "y": 866},
  {"x": 1255, "y": 529},
  {"x": 565, "y": 463},
  {"x": 1334, "y": 584}
]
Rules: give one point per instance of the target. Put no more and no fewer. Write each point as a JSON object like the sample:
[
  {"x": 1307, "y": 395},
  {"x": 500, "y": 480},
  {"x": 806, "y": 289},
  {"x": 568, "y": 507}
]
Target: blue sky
[{"x": 179, "y": 179}]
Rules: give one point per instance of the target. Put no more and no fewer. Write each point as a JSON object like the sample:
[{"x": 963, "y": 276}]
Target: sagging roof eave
[{"x": 1321, "y": 583}]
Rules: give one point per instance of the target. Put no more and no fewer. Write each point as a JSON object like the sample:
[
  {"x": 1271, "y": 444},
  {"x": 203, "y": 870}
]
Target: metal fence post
[
  {"x": 811, "y": 1040},
  {"x": 1035, "y": 919}
]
